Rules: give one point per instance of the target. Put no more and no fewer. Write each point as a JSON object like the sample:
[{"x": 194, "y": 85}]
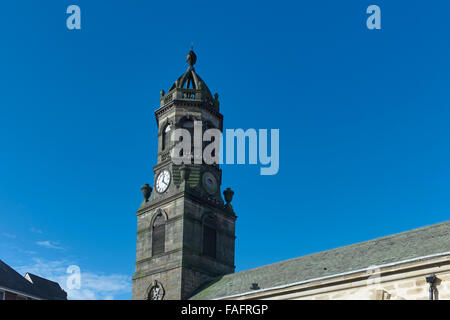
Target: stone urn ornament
[
  {"x": 191, "y": 59},
  {"x": 228, "y": 194},
  {"x": 146, "y": 191}
]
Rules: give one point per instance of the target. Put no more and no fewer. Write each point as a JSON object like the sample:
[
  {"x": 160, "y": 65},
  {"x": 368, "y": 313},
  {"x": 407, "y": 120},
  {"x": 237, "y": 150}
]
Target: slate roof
[
  {"x": 47, "y": 289},
  {"x": 11, "y": 279},
  {"x": 395, "y": 248},
  {"x": 36, "y": 288}
]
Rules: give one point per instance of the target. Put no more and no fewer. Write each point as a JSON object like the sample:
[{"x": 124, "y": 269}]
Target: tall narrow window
[
  {"x": 189, "y": 125},
  {"x": 158, "y": 235},
  {"x": 209, "y": 237},
  {"x": 166, "y": 137}
]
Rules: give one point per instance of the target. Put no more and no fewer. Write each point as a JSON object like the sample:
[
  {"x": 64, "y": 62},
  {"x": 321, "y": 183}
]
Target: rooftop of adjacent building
[
  {"x": 30, "y": 285},
  {"x": 46, "y": 289},
  {"x": 413, "y": 244}
]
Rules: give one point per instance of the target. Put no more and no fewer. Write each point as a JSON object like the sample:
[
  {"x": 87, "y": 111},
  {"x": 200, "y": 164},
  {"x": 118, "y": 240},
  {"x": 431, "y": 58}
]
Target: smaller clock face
[
  {"x": 209, "y": 182},
  {"x": 163, "y": 181}
]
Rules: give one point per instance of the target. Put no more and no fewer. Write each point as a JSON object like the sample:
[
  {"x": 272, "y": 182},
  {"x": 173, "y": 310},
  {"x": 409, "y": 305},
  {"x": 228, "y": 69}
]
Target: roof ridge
[
  {"x": 14, "y": 271},
  {"x": 344, "y": 246},
  {"x": 34, "y": 275},
  {"x": 25, "y": 286}
]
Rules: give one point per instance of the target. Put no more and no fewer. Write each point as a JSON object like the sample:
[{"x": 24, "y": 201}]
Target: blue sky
[{"x": 363, "y": 118}]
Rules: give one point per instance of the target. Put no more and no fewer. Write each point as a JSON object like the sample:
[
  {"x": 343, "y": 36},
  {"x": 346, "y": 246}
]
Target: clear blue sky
[{"x": 363, "y": 118}]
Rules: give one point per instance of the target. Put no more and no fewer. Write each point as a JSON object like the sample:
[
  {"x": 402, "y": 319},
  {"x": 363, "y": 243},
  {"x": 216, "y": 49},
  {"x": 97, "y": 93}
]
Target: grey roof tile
[
  {"x": 11, "y": 279},
  {"x": 38, "y": 287},
  {"x": 47, "y": 289},
  {"x": 399, "y": 247}
]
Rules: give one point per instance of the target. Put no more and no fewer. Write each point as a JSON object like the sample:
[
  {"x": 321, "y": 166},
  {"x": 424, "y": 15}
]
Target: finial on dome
[{"x": 191, "y": 58}]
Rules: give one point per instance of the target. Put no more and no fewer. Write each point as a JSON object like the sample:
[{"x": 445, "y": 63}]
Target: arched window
[
  {"x": 188, "y": 125},
  {"x": 158, "y": 234},
  {"x": 209, "y": 237},
  {"x": 213, "y": 153},
  {"x": 208, "y": 125},
  {"x": 166, "y": 137}
]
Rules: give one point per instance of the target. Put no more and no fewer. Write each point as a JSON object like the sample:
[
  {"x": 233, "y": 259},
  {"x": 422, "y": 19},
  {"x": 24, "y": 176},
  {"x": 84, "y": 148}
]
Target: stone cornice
[
  {"x": 179, "y": 195},
  {"x": 158, "y": 256},
  {"x": 183, "y": 103}
]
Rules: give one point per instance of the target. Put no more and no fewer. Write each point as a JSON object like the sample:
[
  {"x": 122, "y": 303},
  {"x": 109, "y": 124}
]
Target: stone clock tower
[{"x": 185, "y": 233}]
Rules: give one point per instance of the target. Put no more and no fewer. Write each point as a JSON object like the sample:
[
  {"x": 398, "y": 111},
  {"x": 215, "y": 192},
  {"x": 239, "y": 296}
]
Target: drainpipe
[{"x": 431, "y": 279}]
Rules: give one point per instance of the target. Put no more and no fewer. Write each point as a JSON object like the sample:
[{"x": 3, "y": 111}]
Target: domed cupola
[{"x": 190, "y": 87}]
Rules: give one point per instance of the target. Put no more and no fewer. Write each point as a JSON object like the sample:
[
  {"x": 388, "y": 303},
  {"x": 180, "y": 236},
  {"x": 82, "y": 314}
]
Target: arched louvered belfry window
[
  {"x": 209, "y": 236},
  {"x": 158, "y": 234},
  {"x": 166, "y": 137},
  {"x": 206, "y": 127},
  {"x": 189, "y": 126}
]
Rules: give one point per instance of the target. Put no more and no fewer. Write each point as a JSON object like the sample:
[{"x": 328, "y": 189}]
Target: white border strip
[{"x": 335, "y": 275}]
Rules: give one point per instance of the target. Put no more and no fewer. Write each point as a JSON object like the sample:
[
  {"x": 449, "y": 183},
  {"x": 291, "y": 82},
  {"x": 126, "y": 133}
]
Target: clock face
[
  {"x": 209, "y": 182},
  {"x": 163, "y": 181}
]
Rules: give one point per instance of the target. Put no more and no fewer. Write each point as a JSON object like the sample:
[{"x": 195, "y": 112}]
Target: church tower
[{"x": 185, "y": 231}]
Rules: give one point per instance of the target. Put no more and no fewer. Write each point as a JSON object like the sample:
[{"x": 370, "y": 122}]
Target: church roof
[{"x": 416, "y": 243}]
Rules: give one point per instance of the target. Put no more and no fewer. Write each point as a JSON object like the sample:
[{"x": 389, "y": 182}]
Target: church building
[{"x": 186, "y": 233}]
